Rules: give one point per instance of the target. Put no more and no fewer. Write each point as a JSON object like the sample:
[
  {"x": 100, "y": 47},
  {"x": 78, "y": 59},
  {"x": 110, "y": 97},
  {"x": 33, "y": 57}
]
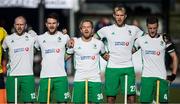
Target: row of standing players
[{"x": 122, "y": 41}]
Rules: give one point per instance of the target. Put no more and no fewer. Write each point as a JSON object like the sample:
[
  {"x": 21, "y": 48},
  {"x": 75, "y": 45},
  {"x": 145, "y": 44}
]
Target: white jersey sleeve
[
  {"x": 102, "y": 33},
  {"x": 37, "y": 45},
  {"x": 32, "y": 33},
  {"x": 136, "y": 44},
  {"x": 139, "y": 32},
  {"x": 102, "y": 48}
]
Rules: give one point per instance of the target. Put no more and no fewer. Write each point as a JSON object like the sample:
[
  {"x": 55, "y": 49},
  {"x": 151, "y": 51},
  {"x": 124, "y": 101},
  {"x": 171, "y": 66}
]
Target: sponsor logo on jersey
[
  {"x": 87, "y": 57},
  {"x": 47, "y": 51},
  {"x": 150, "y": 52},
  {"x": 27, "y": 49},
  {"x": 121, "y": 43},
  {"x": 16, "y": 50},
  {"x": 58, "y": 50}
]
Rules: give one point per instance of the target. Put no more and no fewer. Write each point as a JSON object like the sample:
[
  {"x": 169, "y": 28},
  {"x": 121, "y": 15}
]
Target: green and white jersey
[
  {"x": 120, "y": 41},
  {"x": 20, "y": 54},
  {"x": 87, "y": 59},
  {"x": 153, "y": 55},
  {"x": 53, "y": 51}
]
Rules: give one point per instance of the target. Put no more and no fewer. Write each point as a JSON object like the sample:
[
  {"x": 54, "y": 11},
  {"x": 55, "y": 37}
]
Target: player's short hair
[
  {"x": 54, "y": 16},
  {"x": 20, "y": 17},
  {"x": 85, "y": 20},
  {"x": 152, "y": 19},
  {"x": 119, "y": 7}
]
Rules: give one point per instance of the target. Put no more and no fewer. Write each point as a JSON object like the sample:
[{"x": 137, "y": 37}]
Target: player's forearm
[{"x": 175, "y": 63}]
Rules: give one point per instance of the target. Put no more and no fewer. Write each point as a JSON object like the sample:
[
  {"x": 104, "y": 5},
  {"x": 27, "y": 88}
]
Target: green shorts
[
  {"x": 115, "y": 78},
  {"x": 59, "y": 90},
  {"x": 25, "y": 88},
  {"x": 94, "y": 92},
  {"x": 150, "y": 83}
]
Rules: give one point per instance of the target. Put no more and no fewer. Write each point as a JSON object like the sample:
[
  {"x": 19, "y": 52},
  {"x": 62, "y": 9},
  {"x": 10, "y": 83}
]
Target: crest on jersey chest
[
  {"x": 94, "y": 46},
  {"x": 26, "y": 38},
  {"x": 79, "y": 47},
  {"x": 59, "y": 39},
  {"x": 146, "y": 42},
  {"x": 129, "y": 33}
]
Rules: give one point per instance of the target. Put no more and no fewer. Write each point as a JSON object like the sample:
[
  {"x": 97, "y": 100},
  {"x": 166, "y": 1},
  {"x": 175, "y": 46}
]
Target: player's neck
[
  {"x": 20, "y": 34},
  {"x": 86, "y": 39},
  {"x": 122, "y": 25},
  {"x": 52, "y": 33},
  {"x": 155, "y": 36}
]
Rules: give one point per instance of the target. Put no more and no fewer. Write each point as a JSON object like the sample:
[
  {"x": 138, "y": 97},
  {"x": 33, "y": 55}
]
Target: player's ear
[
  {"x": 46, "y": 24},
  {"x": 125, "y": 16},
  {"x": 26, "y": 27},
  {"x": 113, "y": 15},
  {"x": 92, "y": 33}
]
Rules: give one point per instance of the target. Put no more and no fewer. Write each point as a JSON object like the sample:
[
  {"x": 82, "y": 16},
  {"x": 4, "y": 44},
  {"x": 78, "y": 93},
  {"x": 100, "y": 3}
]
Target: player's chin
[
  {"x": 119, "y": 23},
  {"x": 52, "y": 31},
  {"x": 20, "y": 32}
]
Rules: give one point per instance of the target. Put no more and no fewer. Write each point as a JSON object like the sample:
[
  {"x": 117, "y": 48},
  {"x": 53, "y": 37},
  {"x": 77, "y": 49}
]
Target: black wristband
[{"x": 173, "y": 76}]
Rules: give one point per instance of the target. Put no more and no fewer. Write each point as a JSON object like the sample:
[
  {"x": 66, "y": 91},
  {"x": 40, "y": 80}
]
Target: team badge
[
  {"x": 129, "y": 31},
  {"x": 59, "y": 39},
  {"x": 79, "y": 47},
  {"x": 95, "y": 46},
  {"x": 145, "y": 42},
  {"x": 26, "y": 38}
]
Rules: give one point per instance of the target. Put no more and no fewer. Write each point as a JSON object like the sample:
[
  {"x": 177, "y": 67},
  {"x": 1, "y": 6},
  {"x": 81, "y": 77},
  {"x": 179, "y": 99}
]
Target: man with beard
[
  {"x": 20, "y": 77},
  {"x": 87, "y": 50},
  {"x": 153, "y": 47},
  {"x": 120, "y": 38},
  {"x": 53, "y": 78}
]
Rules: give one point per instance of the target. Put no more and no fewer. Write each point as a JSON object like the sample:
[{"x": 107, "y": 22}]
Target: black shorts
[{"x": 2, "y": 84}]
